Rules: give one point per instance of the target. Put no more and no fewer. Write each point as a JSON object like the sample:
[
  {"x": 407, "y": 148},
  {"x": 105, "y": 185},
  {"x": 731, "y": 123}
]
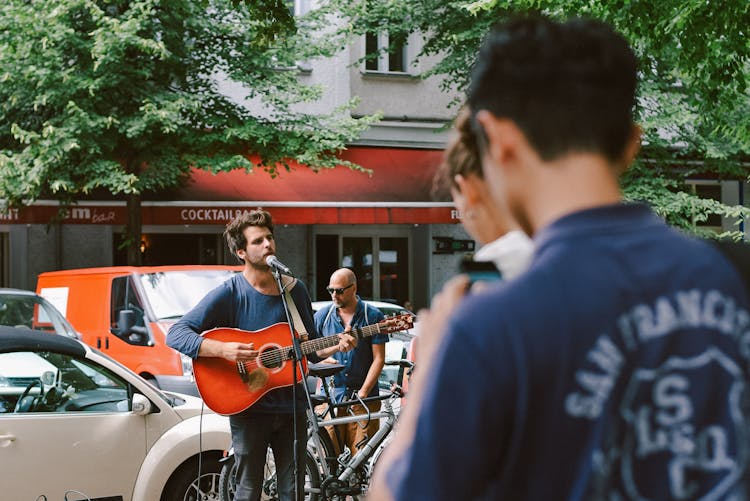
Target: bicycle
[{"x": 328, "y": 474}]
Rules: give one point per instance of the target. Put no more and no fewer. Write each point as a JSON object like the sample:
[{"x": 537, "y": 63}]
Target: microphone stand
[{"x": 297, "y": 366}]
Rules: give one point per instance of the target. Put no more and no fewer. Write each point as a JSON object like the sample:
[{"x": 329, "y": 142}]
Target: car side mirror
[{"x": 141, "y": 405}]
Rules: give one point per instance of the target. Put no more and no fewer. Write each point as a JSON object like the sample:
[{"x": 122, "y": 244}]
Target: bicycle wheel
[
  {"x": 328, "y": 454},
  {"x": 226, "y": 480},
  {"x": 376, "y": 456},
  {"x": 270, "y": 491}
]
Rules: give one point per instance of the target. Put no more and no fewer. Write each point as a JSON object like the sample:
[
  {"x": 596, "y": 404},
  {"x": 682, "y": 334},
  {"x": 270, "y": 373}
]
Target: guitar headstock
[{"x": 401, "y": 322}]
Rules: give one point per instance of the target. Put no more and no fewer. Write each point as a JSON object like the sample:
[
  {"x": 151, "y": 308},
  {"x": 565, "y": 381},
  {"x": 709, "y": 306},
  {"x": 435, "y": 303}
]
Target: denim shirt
[{"x": 357, "y": 361}]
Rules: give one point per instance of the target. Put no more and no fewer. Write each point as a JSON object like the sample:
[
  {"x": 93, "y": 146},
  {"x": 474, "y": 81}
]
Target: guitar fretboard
[
  {"x": 273, "y": 358},
  {"x": 320, "y": 343}
]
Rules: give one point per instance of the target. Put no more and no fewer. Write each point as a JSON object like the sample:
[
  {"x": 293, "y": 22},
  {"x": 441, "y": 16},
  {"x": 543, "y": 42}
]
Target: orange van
[{"x": 126, "y": 311}]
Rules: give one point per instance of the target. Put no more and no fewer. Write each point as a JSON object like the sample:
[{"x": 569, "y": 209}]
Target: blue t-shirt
[
  {"x": 358, "y": 360},
  {"x": 616, "y": 367},
  {"x": 235, "y": 303}
]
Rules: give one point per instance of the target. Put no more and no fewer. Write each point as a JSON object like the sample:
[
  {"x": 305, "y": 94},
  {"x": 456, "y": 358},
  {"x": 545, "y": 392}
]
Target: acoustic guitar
[{"x": 231, "y": 387}]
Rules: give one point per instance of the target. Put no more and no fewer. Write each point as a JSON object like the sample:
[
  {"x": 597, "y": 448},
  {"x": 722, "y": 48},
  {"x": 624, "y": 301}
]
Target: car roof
[
  {"x": 17, "y": 292},
  {"x": 17, "y": 339},
  {"x": 376, "y": 304},
  {"x": 124, "y": 270}
]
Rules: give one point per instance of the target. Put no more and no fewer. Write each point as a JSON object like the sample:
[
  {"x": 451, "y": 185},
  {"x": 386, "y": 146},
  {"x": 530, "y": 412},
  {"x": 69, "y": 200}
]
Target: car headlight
[
  {"x": 4, "y": 381},
  {"x": 187, "y": 365}
]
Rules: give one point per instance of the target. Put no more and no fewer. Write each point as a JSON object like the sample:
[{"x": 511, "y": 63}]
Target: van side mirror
[{"x": 128, "y": 331}]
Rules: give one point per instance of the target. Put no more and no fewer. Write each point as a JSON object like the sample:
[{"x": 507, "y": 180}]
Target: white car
[
  {"x": 397, "y": 348},
  {"x": 22, "y": 308},
  {"x": 87, "y": 426}
]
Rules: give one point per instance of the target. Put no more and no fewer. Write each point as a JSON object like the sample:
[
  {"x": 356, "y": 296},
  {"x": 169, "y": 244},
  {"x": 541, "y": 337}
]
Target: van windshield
[{"x": 171, "y": 294}]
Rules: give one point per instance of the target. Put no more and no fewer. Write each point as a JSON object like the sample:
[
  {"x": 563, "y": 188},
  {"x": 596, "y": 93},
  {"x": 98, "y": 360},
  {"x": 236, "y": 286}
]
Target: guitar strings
[{"x": 274, "y": 357}]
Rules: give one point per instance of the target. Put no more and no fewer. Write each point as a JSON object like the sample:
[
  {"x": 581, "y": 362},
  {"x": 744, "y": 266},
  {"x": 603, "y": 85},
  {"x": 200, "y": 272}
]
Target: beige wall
[{"x": 398, "y": 96}]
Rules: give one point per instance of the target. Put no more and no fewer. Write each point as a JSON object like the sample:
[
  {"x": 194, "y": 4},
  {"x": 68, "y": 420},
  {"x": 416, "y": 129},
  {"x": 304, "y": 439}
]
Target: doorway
[{"x": 381, "y": 264}]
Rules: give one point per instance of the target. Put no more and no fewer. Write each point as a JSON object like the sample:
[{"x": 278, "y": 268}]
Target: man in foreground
[{"x": 616, "y": 366}]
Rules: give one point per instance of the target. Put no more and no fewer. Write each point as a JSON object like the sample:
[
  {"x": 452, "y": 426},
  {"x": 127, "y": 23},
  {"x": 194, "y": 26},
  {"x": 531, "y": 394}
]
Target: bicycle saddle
[{"x": 324, "y": 370}]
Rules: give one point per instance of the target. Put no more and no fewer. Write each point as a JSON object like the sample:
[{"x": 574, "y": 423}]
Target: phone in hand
[{"x": 480, "y": 271}]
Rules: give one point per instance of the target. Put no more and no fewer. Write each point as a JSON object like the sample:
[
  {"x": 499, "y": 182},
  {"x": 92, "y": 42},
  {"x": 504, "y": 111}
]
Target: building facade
[{"x": 386, "y": 226}]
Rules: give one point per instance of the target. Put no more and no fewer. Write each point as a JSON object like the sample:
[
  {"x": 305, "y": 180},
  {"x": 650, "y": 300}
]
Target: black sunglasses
[{"x": 337, "y": 290}]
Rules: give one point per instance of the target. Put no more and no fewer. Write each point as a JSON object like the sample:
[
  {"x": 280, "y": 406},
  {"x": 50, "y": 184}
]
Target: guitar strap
[{"x": 299, "y": 325}]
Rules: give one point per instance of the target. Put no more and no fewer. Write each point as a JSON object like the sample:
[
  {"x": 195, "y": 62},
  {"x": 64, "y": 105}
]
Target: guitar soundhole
[{"x": 271, "y": 358}]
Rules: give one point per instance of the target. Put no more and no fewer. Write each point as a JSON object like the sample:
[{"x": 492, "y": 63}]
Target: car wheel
[
  {"x": 152, "y": 381},
  {"x": 186, "y": 486}
]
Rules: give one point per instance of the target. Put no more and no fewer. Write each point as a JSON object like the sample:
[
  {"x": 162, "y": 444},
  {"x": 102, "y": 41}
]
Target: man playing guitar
[{"x": 252, "y": 301}]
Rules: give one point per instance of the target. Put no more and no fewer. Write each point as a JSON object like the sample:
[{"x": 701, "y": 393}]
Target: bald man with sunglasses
[{"x": 363, "y": 364}]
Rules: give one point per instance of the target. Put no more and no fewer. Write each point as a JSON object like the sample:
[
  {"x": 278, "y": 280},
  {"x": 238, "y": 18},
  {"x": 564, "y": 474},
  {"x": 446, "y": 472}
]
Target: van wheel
[
  {"x": 185, "y": 485},
  {"x": 152, "y": 381}
]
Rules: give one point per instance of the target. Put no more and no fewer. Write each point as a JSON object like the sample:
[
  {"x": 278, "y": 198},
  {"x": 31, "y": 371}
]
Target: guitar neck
[{"x": 321, "y": 343}]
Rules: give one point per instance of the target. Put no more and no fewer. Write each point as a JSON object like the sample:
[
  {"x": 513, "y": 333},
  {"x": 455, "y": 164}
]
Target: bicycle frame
[
  {"x": 343, "y": 480},
  {"x": 388, "y": 420}
]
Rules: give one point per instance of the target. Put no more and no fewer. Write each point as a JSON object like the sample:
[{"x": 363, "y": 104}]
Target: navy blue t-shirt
[
  {"x": 616, "y": 367},
  {"x": 235, "y": 303}
]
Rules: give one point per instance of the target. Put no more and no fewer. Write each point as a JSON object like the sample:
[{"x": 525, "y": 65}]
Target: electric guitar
[{"x": 231, "y": 387}]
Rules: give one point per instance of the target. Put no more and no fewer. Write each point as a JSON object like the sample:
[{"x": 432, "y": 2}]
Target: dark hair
[
  {"x": 235, "y": 230},
  {"x": 461, "y": 156},
  {"x": 569, "y": 86}
]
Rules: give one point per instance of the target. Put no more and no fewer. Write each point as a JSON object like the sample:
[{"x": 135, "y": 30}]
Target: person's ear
[
  {"x": 467, "y": 188},
  {"x": 504, "y": 138},
  {"x": 459, "y": 200}
]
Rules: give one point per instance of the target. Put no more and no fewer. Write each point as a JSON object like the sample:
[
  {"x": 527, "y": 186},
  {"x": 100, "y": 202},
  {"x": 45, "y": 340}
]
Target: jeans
[{"x": 251, "y": 437}]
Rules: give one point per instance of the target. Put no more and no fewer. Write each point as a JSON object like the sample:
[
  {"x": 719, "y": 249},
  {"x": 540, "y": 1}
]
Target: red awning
[
  {"x": 398, "y": 191},
  {"x": 398, "y": 175}
]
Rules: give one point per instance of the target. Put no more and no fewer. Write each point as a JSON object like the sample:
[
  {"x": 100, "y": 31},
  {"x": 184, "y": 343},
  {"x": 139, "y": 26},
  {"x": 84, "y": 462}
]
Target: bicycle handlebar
[{"x": 407, "y": 364}]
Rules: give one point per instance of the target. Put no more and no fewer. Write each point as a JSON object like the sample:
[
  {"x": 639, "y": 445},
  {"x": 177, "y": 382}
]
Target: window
[
  {"x": 128, "y": 315},
  {"x": 710, "y": 190},
  {"x": 32, "y": 312},
  {"x": 384, "y": 54},
  {"x": 171, "y": 294},
  {"x": 298, "y": 7},
  {"x": 53, "y": 382},
  {"x": 4, "y": 259},
  {"x": 175, "y": 248},
  {"x": 381, "y": 265}
]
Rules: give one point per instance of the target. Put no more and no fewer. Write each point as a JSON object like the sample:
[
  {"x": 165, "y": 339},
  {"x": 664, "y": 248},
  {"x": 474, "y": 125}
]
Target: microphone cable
[{"x": 200, "y": 446}]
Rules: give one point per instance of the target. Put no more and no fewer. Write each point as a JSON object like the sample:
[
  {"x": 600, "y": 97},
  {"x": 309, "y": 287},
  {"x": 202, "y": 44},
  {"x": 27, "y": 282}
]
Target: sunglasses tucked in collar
[{"x": 337, "y": 290}]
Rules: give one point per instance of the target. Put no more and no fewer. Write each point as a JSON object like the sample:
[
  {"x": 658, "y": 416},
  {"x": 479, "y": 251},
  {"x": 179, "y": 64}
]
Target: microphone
[{"x": 274, "y": 262}]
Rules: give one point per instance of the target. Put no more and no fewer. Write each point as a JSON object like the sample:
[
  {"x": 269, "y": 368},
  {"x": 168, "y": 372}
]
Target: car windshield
[
  {"x": 70, "y": 384},
  {"x": 173, "y": 293},
  {"x": 32, "y": 312}
]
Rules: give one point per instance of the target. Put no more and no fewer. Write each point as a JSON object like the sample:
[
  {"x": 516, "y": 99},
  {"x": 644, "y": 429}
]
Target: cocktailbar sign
[{"x": 166, "y": 213}]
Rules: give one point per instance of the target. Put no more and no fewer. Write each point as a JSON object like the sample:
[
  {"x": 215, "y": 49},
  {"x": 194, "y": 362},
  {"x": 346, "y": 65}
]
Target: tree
[
  {"x": 693, "y": 100},
  {"x": 122, "y": 97}
]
